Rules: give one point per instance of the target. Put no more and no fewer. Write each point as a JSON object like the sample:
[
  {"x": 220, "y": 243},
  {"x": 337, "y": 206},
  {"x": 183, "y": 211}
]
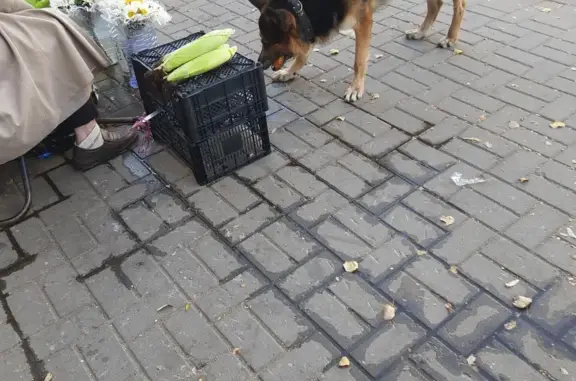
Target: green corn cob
[
  {"x": 196, "y": 48},
  {"x": 202, "y": 64}
]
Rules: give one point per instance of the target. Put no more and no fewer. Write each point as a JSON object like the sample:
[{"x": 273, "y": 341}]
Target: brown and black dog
[{"x": 290, "y": 28}]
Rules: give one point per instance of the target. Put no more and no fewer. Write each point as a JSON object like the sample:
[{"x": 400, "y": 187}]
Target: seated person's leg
[{"x": 94, "y": 145}]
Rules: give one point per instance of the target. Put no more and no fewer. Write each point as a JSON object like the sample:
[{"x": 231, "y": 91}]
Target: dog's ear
[{"x": 259, "y": 3}]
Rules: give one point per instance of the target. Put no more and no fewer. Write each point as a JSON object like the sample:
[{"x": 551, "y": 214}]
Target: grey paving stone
[
  {"x": 462, "y": 242},
  {"x": 168, "y": 207},
  {"x": 405, "y": 372},
  {"x": 289, "y": 143},
  {"x": 367, "y": 122},
  {"x": 324, "y": 155},
  {"x": 343, "y": 374},
  {"x": 365, "y": 226},
  {"x": 309, "y": 133},
  {"x": 266, "y": 256},
  {"x": 343, "y": 180},
  {"x": 66, "y": 365},
  {"x": 483, "y": 209},
  {"x": 437, "y": 360},
  {"x": 347, "y": 132},
  {"x": 30, "y": 308},
  {"x": 387, "y": 258},
  {"x": 504, "y": 194},
  {"x": 444, "y": 186},
  {"x": 404, "y": 121},
  {"x": 248, "y": 223},
  {"x": 489, "y": 141},
  {"x": 105, "y": 357},
  {"x": 534, "y": 141},
  {"x": 494, "y": 278},
  {"x": 226, "y": 368},
  {"x": 235, "y": 193},
  {"x": 14, "y": 367},
  {"x": 555, "y": 308},
  {"x": 501, "y": 363},
  {"x": 562, "y": 199},
  {"x": 142, "y": 221},
  {"x": 285, "y": 321},
  {"x": 340, "y": 240},
  {"x": 359, "y": 297},
  {"x": 416, "y": 298},
  {"x": 303, "y": 363},
  {"x": 519, "y": 261},
  {"x": 310, "y": 275},
  {"x": 559, "y": 253},
  {"x": 541, "y": 351},
  {"x": 370, "y": 171},
  {"x": 138, "y": 190},
  {"x": 279, "y": 193},
  {"x": 560, "y": 174},
  {"x": 159, "y": 357},
  {"x": 439, "y": 279},
  {"x": 168, "y": 166},
  {"x": 407, "y": 167},
  {"x": 291, "y": 239},
  {"x": 263, "y": 167},
  {"x": 385, "y": 195},
  {"x": 218, "y": 300},
  {"x": 474, "y": 323},
  {"x": 427, "y": 155},
  {"x": 536, "y": 226},
  {"x": 384, "y": 143},
  {"x": 195, "y": 336},
  {"x": 129, "y": 167},
  {"x": 320, "y": 208},
  {"x": 302, "y": 181},
  {"x": 376, "y": 354},
  {"x": 212, "y": 207},
  {"x": 433, "y": 208},
  {"x": 415, "y": 227},
  {"x": 257, "y": 346},
  {"x": 470, "y": 153},
  {"x": 296, "y": 103},
  {"x": 334, "y": 317}
]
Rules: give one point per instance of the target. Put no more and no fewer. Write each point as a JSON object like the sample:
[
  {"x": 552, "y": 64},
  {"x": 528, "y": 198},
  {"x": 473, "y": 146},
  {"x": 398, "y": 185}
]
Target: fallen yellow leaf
[
  {"x": 344, "y": 362},
  {"x": 557, "y": 124},
  {"x": 448, "y": 220},
  {"x": 523, "y": 179},
  {"x": 458, "y": 51},
  {"x": 521, "y": 302},
  {"x": 235, "y": 351},
  {"x": 350, "y": 266},
  {"x": 472, "y": 139},
  {"x": 512, "y": 283},
  {"x": 333, "y": 52},
  {"x": 449, "y": 307},
  {"x": 341, "y": 118},
  {"x": 420, "y": 252},
  {"x": 453, "y": 269},
  {"x": 49, "y": 377},
  {"x": 388, "y": 312},
  {"x": 187, "y": 307},
  {"x": 510, "y": 325}
]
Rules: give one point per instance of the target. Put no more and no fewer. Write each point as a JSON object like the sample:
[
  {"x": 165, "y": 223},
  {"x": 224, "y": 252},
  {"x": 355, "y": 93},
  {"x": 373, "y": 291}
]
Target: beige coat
[{"x": 47, "y": 65}]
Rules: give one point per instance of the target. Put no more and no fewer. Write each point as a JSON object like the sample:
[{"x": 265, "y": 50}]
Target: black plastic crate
[
  {"x": 207, "y": 104},
  {"x": 219, "y": 154}
]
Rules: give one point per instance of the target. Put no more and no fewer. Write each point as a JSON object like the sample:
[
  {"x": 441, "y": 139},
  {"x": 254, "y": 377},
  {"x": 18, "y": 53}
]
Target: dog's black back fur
[{"x": 324, "y": 15}]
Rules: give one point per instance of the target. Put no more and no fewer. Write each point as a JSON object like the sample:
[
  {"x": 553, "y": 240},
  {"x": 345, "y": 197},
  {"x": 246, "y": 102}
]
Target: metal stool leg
[{"x": 27, "y": 196}]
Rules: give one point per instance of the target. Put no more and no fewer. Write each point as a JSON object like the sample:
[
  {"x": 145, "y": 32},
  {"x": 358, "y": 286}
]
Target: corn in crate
[{"x": 214, "y": 120}]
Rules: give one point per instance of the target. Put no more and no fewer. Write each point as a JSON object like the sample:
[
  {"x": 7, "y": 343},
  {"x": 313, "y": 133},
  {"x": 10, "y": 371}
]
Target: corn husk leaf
[
  {"x": 521, "y": 302},
  {"x": 344, "y": 362}
]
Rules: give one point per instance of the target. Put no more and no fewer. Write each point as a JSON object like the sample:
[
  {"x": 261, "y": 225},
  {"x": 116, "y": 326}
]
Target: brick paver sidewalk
[{"x": 131, "y": 271}]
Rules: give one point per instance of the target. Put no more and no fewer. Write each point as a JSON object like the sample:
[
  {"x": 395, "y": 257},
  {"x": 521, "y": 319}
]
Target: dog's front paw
[
  {"x": 447, "y": 43},
  {"x": 282, "y": 76},
  {"x": 415, "y": 34},
  {"x": 354, "y": 92}
]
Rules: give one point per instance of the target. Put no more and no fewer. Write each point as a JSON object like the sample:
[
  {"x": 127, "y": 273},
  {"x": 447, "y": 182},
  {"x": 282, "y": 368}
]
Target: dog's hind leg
[
  {"x": 433, "y": 10},
  {"x": 454, "y": 31},
  {"x": 363, "y": 32}
]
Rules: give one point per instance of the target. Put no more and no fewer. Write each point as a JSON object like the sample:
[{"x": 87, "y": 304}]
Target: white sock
[{"x": 94, "y": 140}]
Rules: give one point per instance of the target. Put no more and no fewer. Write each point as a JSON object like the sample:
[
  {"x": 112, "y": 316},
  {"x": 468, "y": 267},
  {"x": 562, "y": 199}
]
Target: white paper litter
[{"x": 458, "y": 180}]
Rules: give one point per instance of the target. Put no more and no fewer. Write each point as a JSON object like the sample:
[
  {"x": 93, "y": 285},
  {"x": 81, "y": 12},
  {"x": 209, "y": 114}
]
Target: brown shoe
[{"x": 115, "y": 142}]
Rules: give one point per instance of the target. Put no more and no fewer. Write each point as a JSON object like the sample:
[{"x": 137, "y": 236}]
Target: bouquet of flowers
[{"x": 130, "y": 12}]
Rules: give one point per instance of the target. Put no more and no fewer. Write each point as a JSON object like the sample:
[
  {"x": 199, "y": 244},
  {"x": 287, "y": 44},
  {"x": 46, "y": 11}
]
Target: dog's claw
[
  {"x": 282, "y": 76},
  {"x": 446, "y": 43},
  {"x": 415, "y": 34},
  {"x": 354, "y": 93}
]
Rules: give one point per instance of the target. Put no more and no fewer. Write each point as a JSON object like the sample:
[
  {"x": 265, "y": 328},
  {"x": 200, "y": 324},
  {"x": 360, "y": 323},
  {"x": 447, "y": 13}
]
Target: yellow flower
[
  {"x": 131, "y": 14},
  {"x": 143, "y": 11}
]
